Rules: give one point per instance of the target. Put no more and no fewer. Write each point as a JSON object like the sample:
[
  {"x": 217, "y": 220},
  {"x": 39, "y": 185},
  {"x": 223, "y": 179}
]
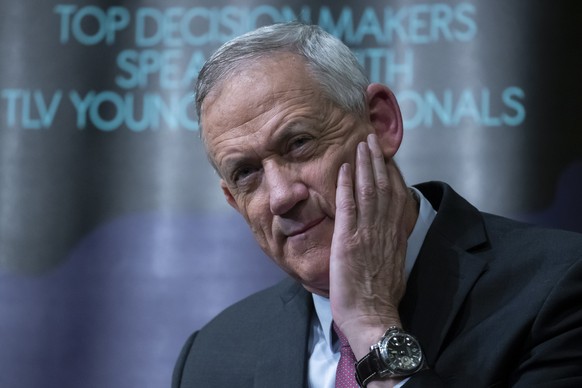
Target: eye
[
  {"x": 298, "y": 142},
  {"x": 243, "y": 174}
]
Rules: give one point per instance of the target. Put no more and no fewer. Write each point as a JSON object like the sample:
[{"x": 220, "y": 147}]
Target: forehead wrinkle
[
  {"x": 233, "y": 132},
  {"x": 256, "y": 74},
  {"x": 241, "y": 104},
  {"x": 237, "y": 87}
]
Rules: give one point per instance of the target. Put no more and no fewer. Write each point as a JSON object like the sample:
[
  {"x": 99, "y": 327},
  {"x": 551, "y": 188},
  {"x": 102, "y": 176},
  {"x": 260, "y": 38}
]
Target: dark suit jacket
[{"x": 494, "y": 303}]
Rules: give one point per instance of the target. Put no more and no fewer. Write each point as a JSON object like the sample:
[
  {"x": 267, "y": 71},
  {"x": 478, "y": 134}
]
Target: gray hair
[{"x": 331, "y": 62}]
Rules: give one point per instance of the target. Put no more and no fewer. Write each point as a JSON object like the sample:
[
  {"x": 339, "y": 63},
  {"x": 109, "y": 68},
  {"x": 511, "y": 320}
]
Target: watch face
[{"x": 401, "y": 353}]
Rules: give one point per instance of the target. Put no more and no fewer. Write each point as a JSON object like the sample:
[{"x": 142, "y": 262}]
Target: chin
[
  {"x": 319, "y": 291},
  {"x": 315, "y": 279}
]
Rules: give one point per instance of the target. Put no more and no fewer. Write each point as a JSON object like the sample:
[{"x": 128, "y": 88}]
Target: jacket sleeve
[
  {"x": 425, "y": 379},
  {"x": 554, "y": 352}
]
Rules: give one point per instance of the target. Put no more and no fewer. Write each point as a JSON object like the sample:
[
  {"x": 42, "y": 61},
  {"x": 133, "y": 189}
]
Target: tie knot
[{"x": 342, "y": 338}]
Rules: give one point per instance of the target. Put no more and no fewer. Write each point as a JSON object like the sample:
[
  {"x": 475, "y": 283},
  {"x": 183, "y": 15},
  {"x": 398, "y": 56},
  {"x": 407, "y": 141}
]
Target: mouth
[{"x": 305, "y": 228}]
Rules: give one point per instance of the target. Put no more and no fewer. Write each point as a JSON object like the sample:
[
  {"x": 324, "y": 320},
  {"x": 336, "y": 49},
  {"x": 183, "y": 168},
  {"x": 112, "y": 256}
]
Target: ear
[
  {"x": 228, "y": 195},
  {"x": 385, "y": 116}
]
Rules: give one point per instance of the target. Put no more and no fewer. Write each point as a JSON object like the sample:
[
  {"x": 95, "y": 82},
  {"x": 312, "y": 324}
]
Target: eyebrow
[
  {"x": 232, "y": 163},
  {"x": 282, "y": 134},
  {"x": 276, "y": 141}
]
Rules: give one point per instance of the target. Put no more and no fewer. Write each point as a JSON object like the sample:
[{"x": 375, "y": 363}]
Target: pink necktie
[{"x": 345, "y": 376}]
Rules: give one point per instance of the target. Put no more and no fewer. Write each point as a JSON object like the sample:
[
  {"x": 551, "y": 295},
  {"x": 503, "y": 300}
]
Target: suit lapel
[
  {"x": 446, "y": 269},
  {"x": 284, "y": 344}
]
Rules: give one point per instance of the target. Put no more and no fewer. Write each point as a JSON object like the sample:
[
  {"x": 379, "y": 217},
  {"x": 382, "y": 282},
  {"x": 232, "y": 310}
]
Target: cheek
[
  {"x": 330, "y": 170},
  {"x": 329, "y": 184},
  {"x": 255, "y": 210}
]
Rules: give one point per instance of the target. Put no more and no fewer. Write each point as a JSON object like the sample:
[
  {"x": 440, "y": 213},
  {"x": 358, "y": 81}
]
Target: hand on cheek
[{"x": 368, "y": 247}]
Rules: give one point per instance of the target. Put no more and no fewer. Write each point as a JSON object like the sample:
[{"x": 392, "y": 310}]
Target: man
[{"x": 447, "y": 296}]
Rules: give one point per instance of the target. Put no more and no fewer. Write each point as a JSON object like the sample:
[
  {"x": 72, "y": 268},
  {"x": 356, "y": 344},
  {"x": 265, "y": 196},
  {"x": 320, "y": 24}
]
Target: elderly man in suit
[{"x": 388, "y": 286}]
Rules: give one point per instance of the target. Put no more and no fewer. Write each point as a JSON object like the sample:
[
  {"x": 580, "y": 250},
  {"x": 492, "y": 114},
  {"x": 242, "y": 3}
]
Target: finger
[
  {"x": 395, "y": 179},
  {"x": 381, "y": 179},
  {"x": 345, "y": 207},
  {"x": 365, "y": 190},
  {"x": 398, "y": 189}
]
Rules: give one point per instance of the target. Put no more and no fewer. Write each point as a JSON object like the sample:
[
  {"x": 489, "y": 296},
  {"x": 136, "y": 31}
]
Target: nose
[{"x": 286, "y": 188}]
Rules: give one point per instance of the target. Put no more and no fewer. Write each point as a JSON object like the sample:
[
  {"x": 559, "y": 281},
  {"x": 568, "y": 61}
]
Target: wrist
[
  {"x": 385, "y": 383},
  {"x": 363, "y": 340},
  {"x": 363, "y": 335}
]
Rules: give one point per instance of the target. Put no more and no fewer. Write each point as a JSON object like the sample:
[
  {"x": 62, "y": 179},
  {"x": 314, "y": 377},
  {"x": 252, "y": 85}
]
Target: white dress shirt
[{"x": 324, "y": 352}]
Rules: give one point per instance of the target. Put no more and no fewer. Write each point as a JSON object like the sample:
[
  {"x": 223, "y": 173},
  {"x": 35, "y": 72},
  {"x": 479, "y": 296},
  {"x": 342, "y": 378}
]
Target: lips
[{"x": 295, "y": 229}]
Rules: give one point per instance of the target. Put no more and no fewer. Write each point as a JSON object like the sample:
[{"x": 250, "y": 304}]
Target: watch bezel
[{"x": 389, "y": 351}]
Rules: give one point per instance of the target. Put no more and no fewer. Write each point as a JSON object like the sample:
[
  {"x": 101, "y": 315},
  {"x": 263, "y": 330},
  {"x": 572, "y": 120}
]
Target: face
[{"x": 277, "y": 144}]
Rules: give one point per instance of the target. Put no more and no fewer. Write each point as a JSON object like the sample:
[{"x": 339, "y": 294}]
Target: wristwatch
[{"x": 397, "y": 354}]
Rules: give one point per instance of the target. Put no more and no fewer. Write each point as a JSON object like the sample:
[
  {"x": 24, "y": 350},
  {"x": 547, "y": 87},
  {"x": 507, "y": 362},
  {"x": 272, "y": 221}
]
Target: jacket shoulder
[
  {"x": 533, "y": 242},
  {"x": 243, "y": 335},
  {"x": 255, "y": 308}
]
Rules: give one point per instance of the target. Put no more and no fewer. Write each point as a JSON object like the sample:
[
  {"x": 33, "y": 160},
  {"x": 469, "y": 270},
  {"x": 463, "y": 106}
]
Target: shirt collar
[{"x": 426, "y": 215}]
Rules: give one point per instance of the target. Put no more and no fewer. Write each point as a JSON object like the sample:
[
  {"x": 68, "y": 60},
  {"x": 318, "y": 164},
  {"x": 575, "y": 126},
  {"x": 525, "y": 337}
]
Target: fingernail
[{"x": 343, "y": 171}]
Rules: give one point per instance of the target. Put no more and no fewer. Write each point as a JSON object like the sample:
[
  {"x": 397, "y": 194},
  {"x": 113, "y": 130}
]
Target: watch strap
[{"x": 367, "y": 368}]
